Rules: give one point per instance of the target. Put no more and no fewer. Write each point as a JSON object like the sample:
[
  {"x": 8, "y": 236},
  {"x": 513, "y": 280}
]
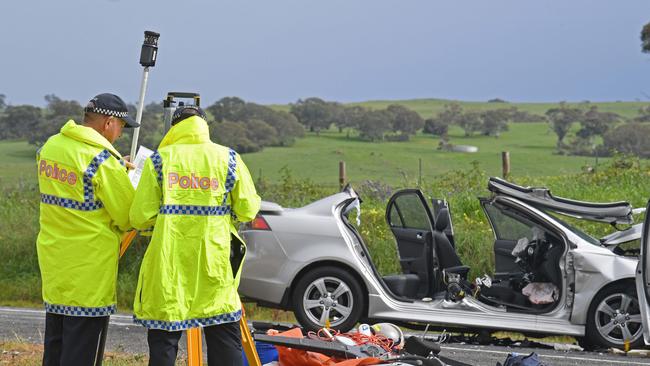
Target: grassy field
[
  {"x": 428, "y": 107},
  {"x": 531, "y": 147},
  {"x": 18, "y": 162}
]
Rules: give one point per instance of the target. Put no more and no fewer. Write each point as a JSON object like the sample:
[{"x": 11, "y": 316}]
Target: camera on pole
[
  {"x": 148, "y": 55},
  {"x": 149, "y": 49}
]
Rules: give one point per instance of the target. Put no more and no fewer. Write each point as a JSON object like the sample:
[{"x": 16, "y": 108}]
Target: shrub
[{"x": 629, "y": 138}]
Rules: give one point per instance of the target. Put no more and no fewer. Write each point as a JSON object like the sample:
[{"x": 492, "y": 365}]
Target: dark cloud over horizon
[{"x": 279, "y": 51}]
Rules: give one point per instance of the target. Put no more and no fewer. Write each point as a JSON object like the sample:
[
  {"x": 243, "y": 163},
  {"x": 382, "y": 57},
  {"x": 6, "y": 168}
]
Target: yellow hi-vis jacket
[
  {"x": 85, "y": 200},
  {"x": 191, "y": 191}
]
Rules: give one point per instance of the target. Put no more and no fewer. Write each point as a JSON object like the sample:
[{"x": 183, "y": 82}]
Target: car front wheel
[
  {"x": 614, "y": 318},
  {"x": 328, "y": 294}
]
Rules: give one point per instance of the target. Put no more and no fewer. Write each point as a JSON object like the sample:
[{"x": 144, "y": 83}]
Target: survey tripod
[{"x": 194, "y": 338}]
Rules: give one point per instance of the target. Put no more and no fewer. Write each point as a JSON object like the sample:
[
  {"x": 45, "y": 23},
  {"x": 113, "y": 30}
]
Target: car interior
[
  {"x": 527, "y": 258},
  {"x": 527, "y": 276}
]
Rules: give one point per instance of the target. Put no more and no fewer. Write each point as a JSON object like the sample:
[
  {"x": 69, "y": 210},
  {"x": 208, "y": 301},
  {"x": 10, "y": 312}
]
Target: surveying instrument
[{"x": 148, "y": 56}]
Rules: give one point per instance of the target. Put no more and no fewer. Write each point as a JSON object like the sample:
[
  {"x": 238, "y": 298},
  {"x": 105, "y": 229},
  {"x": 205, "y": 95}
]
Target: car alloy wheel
[
  {"x": 328, "y": 298},
  {"x": 614, "y": 318},
  {"x": 618, "y": 318},
  {"x": 328, "y": 295}
]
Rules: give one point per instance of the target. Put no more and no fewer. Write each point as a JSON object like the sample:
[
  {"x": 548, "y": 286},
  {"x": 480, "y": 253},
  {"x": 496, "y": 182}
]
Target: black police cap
[
  {"x": 187, "y": 111},
  {"x": 111, "y": 105}
]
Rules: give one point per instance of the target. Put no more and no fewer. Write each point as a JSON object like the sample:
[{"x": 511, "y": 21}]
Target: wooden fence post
[
  {"x": 342, "y": 177},
  {"x": 419, "y": 172},
  {"x": 505, "y": 164}
]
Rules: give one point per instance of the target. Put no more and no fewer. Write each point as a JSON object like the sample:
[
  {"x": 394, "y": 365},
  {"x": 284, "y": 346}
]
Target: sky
[{"x": 345, "y": 50}]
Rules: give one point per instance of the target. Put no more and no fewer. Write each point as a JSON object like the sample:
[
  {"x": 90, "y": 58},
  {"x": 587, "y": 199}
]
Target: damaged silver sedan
[{"x": 549, "y": 277}]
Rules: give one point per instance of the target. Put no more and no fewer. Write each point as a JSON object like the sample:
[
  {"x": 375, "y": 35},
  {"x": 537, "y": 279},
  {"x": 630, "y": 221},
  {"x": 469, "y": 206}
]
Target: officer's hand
[{"x": 128, "y": 163}]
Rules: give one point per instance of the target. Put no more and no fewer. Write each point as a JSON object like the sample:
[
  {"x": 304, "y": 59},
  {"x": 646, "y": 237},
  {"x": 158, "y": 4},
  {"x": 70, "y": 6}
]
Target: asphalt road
[{"x": 27, "y": 325}]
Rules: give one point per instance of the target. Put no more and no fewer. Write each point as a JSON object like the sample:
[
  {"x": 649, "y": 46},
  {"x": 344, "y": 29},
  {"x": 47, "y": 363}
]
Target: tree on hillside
[
  {"x": 470, "y": 122},
  {"x": 57, "y": 113},
  {"x": 595, "y": 123},
  {"x": 495, "y": 121},
  {"x": 261, "y": 133},
  {"x": 561, "y": 119},
  {"x": 497, "y": 100},
  {"x": 517, "y": 115},
  {"x": 644, "y": 115},
  {"x": 629, "y": 138},
  {"x": 439, "y": 124},
  {"x": 374, "y": 124},
  {"x": 233, "y": 134},
  {"x": 404, "y": 121},
  {"x": 645, "y": 38},
  {"x": 314, "y": 113},
  {"x": 228, "y": 108},
  {"x": 592, "y": 123},
  {"x": 450, "y": 113},
  {"x": 286, "y": 126},
  {"x": 3, "y": 103},
  {"x": 338, "y": 115},
  {"x": 436, "y": 126},
  {"x": 349, "y": 117},
  {"x": 18, "y": 122}
]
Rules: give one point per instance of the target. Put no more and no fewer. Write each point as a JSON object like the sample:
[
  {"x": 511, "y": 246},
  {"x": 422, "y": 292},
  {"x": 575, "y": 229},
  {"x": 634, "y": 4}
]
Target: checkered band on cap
[
  {"x": 190, "y": 323},
  {"x": 194, "y": 210},
  {"x": 89, "y": 203},
  {"x": 80, "y": 310},
  {"x": 107, "y": 112}
]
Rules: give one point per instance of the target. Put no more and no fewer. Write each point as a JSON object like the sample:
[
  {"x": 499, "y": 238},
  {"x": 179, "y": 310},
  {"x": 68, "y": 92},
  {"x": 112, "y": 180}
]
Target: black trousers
[
  {"x": 223, "y": 340},
  {"x": 72, "y": 340}
]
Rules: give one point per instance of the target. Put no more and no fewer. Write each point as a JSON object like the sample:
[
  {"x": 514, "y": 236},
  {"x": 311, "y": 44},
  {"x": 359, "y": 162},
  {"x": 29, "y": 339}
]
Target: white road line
[
  {"x": 11, "y": 310},
  {"x": 608, "y": 361},
  {"x": 116, "y": 319}
]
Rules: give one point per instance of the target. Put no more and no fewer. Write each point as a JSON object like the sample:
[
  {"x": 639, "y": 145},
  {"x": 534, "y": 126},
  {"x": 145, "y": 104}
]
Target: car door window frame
[{"x": 392, "y": 203}]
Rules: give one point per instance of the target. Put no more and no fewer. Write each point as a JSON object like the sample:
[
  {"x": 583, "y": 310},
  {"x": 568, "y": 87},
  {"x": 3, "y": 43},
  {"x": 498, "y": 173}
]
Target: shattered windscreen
[{"x": 584, "y": 236}]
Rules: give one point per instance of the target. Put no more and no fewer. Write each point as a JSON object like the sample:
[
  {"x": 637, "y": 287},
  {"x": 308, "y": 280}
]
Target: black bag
[{"x": 514, "y": 359}]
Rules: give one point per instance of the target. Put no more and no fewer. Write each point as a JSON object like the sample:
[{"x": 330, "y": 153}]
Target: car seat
[{"x": 448, "y": 259}]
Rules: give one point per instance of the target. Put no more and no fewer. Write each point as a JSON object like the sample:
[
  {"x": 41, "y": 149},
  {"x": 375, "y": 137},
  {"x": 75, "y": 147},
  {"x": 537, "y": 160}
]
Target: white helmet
[{"x": 390, "y": 331}]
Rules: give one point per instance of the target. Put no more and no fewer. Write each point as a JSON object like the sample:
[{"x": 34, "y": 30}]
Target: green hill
[{"x": 531, "y": 146}]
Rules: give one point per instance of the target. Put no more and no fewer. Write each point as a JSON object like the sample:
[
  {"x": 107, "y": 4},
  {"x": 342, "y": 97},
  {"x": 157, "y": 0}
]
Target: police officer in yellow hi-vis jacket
[
  {"x": 85, "y": 200},
  {"x": 191, "y": 192}
]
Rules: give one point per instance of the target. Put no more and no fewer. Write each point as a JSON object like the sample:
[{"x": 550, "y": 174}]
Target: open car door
[
  {"x": 643, "y": 278},
  {"x": 411, "y": 222}
]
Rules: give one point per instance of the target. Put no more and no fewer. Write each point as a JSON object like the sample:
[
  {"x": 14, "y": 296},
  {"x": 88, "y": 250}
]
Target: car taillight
[{"x": 259, "y": 223}]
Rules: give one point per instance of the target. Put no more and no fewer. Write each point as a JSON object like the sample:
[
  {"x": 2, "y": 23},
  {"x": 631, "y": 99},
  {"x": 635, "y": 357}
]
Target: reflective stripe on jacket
[
  {"x": 191, "y": 191},
  {"x": 85, "y": 199}
]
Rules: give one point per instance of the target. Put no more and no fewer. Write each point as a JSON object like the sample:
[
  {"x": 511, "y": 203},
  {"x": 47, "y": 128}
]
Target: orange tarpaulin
[{"x": 297, "y": 357}]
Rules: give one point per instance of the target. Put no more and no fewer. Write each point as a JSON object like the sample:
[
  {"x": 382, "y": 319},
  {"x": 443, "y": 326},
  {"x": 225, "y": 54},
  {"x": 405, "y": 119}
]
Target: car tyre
[
  {"x": 328, "y": 293},
  {"x": 613, "y": 315}
]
